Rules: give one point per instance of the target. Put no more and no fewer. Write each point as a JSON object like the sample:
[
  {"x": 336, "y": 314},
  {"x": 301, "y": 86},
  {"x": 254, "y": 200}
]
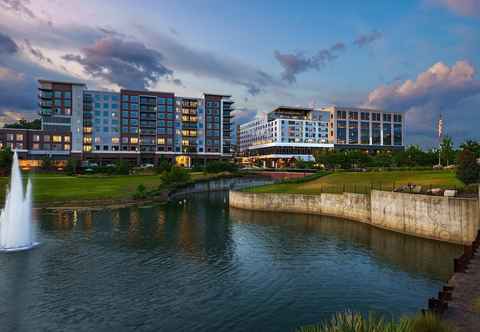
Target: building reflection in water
[{"x": 407, "y": 253}]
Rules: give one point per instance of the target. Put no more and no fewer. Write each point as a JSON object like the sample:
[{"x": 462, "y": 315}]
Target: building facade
[
  {"x": 291, "y": 133},
  {"x": 138, "y": 126}
]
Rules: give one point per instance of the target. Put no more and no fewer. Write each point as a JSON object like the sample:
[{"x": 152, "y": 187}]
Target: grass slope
[
  {"x": 58, "y": 187},
  {"x": 363, "y": 182}
]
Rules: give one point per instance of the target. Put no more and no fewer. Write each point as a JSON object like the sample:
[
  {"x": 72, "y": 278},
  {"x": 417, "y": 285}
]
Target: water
[
  {"x": 16, "y": 231},
  {"x": 200, "y": 266}
]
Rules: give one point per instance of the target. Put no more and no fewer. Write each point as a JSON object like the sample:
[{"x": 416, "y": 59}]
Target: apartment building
[
  {"x": 286, "y": 134},
  {"x": 138, "y": 126}
]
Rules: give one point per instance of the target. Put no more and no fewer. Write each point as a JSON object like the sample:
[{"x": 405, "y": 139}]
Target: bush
[
  {"x": 47, "y": 164},
  {"x": 467, "y": 168},
  {"x": 176, "y": 175},
  {"x": 141, "y": 192},
  {"x": 221, "y": 166},
  {"x": 6, "y": 158},
  {"x": 163, "y": 165}
]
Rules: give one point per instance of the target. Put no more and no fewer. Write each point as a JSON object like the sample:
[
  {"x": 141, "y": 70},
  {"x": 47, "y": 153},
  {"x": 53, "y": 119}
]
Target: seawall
[{"x": 448, "y": 219}]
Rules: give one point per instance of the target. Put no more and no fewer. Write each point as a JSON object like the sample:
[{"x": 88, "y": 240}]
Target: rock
[
  {"x": 435, "y": 191},
  {"x": 450, "y": 193}
]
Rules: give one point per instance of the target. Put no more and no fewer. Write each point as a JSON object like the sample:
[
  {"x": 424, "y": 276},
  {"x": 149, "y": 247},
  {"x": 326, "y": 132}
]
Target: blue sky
[{"x": 415, "y": 56}]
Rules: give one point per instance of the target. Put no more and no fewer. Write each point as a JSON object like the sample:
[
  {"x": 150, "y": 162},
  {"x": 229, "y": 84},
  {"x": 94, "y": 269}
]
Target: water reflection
[
  {"x": 197, "y": 265},
  {"x": 407, "y": 253}
]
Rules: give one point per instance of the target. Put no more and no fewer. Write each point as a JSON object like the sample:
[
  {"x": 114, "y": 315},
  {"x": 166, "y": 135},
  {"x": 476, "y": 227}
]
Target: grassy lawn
[
  {"x": 364, "y": 182},
  {"x": 58, "y": 187}
]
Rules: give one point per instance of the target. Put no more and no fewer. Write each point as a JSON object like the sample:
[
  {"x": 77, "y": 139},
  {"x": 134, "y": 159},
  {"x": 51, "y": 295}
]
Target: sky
[{"x": 419, "y": 57}]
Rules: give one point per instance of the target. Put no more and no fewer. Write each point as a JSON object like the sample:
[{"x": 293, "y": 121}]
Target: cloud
[
  {"x": 451, "y": 91},
  {"x": 296, "y": 63},
  {"x": 19, "y": 7},
  {"x": 126, "y": 63},
  {"x": 203, "y": 63},
  {"x": 7, "y": 45},
  {"x": 460, "y": 7},
  {"x": 367, "y": 39},
  {"x": 36, "y": 52}
]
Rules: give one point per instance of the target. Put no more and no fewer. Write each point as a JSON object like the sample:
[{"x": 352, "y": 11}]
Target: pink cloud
[{"x": 461, "y": 7}]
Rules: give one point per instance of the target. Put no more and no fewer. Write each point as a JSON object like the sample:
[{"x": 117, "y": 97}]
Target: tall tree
[
  {"x": 447, "y": 153},
  {"x": 473, "y": 146},
  {"x": 468, "y": 169}
]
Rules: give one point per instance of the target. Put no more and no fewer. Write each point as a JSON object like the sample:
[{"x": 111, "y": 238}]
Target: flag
[{"x": 440, "y": 127}]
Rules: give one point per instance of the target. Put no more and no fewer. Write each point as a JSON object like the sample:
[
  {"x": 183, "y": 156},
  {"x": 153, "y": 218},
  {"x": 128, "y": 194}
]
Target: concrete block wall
[{"x": 448, "y": 219}]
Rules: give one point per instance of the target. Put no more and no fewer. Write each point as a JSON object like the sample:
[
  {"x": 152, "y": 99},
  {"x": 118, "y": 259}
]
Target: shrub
[
  {"x": 163, "y": 165},
  {"x": 221, "y": 166},
  {"x": 141, "y": 192},
  {"x": 47, "y": 164},
  {"x": 467, "y": 168},
  {"x": 6, "y": 158},
  {"x": 176, "y": 175}
]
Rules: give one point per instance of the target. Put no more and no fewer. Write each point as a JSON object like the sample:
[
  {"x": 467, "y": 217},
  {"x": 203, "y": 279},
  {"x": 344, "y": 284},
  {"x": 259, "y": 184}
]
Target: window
[
  {"x": 98, "y": 140},
  {"x": 397, "y": 118},
  {"x": 36, "y": 138},
  {"x": 105, "y": 148},
  {"x": 387, "y": 134},
  {"x": 134, "y": 114},
  {"x": 387, "y": 117},
  {"x": 105, "y": 105},
  {"x": 125, "y": 140},
  {"x": 87, "y": 148},
  {"x": 133, "y": 130},
  {"x": 125, "y": 106},
  {"x": 115, "y": 140},
  {"x": 36, "y": 146},
  {"x": 19, "y": 137},
  {"x": 353, "y": 132},
  {"x": 19, "y": 145},
  {"x": 376, "y": 116},
  {"x": 87, "y": 140},
  {"x": 114, "y": 98},
  {"x": 124, "y": 98},
  {"x": 133, "y": 140},
  {"x": 66, "y": 139},
  {"x": 376, "y": 133},
  {"x": 397, "y": 134},
  {"x": 68, "y": 111},
  {"x": 114, "y": 106},
  {"x": 365, "y": 116},
  {"x": 46, "y": 138},
  {"x": 341, "y": 114},
  {"x": 97, "y": 105},
  {"x": 353, "y": 115},
  {"x": 364, "y": 132},
  {"x": 134, "y": 107},
  {"x": 105, "y": 129},
  {"x": 67, "y": 95},
  {"x": 161, "y": 141},
  {"x": 341, "y": 132},
  {"x": 134, "y": 99},
  {"x": 133, "y": 122},
  {"x": 66, "y": 147},
  {"x": 106, "y": 97},
  {"x": 67, "y": 103},
  {"x": 58, "y": 94}
]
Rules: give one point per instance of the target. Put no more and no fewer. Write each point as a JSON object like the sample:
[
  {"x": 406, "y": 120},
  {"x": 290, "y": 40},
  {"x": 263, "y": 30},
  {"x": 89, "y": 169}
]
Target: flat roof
[
  {"x": 60, "y": 82},
  {"x": 293, "y": 108}
]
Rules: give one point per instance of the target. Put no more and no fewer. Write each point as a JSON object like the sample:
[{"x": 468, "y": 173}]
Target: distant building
[
  {"x": 287, "y": 134},
  {"x": 138, "y": 126}
]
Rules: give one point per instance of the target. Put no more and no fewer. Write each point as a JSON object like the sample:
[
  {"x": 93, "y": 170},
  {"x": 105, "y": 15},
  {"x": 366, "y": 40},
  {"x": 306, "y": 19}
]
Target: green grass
[
  {"x": 364, "y": 182},
  {"x": 353, "y": 322},
  {"x": 59, "y": 187}
]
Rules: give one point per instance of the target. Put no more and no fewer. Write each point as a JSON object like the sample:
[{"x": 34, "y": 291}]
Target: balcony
[
  {"x": 45, "y": 111},
  {"x": 45, "y": 94}
]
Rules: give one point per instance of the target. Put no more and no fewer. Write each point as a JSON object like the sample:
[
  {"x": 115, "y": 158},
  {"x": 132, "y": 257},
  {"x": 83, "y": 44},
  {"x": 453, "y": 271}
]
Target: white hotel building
[{"x": 289, "y": 133}]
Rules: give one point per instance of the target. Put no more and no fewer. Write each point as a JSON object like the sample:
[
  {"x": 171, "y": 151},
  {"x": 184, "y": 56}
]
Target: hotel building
[
  {"x": 138, "y": 126},
  {"x": 288, "y": 133}
]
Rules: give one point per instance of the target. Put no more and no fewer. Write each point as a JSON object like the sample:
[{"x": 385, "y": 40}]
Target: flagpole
[{"x": 440, "y": 134}]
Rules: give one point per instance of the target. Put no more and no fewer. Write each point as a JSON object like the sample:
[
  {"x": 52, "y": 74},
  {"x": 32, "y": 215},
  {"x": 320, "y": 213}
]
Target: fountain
[{"x": 16, "y": 230}]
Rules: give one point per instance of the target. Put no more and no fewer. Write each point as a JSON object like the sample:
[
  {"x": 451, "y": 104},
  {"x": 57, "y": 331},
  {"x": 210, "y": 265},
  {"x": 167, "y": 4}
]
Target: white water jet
[{"x": 16, "y": 229}]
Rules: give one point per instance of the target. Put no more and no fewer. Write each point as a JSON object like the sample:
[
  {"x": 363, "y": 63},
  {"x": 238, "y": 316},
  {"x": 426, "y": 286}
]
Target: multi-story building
[
  {"x": 139, "y": 126},
  {"x": 289, "y": 133}
]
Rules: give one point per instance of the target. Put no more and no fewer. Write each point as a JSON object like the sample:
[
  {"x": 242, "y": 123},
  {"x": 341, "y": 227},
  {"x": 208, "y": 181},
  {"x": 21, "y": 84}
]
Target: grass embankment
[
  {"x": 63, "y": 188},
  {"x": 352, "y": 322},
  {"x": 363, "y": 182}
]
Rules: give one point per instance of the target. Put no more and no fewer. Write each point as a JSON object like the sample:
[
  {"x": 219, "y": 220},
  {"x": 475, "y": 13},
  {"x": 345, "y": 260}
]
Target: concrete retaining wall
[{"x": 447, "y": 219}]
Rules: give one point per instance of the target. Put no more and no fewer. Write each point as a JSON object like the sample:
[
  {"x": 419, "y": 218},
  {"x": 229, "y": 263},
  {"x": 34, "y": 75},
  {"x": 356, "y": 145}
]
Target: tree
[
  {"x": 468, "y": 169},
  {"x": 122, "y": 168},
  {"x": 47, "y": 163},
  {"x": 6, "y": 158},
  {"x": 72, "y": 166},
  {"x": 473, "y": 146},
  {"x": 447, "y": 153},
  {"x": 24, "y": 124}
]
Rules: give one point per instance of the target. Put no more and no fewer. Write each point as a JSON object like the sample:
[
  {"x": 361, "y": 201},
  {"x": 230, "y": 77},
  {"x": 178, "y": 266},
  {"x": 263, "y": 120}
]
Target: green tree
[
  {"x": 473, "y": 146},
  {"x": 468, "y": 169},
  {"x": 47, "y": 163},
  {"x": 176, "y": 175},
  {"x": 6, "y": 158},
  {"x": 72, "y": 166},
  {"x": 24, "y": 124},
  {"x": 447, "y": 153},
  {"x": 122, "y": 167}
]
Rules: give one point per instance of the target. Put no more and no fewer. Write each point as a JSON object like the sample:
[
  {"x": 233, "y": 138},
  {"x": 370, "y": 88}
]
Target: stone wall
[{"x": 447, "y": 219}]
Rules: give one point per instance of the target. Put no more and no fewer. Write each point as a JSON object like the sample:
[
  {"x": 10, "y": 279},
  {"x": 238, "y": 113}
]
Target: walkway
[{"x": 464, "y": 306}]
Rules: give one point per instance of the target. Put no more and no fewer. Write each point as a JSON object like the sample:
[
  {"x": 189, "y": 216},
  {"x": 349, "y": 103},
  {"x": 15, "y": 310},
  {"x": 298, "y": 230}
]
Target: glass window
[
  {"x": 105, "y": 105},
  {"x": 36, "y": 146},
  {"x": 387, "y": 134},
  {"x": 376, "y": 133},
  {"x": 67, "y": 95},
  {"x": 364, "y": 132},
  {"x": 397, "y": 134},
  {"x": 341, "y": 132},
  {"x": 105, "y": 113},
  {"x": 387, "y": 117},
  {"x": 133, "y": 122},
  {"x": 114, "y": 106},
  {"x": 364, "y": 116},
  {"x": 353, "y": 132},
  {"x": 133, "y": 130},
  {"x": 133, "y": 140},
  {"x": 46, "y": 138},
  {"x": 97, "y": 105},
  {"x": 125, "y": 106},
  {"x": 56, "y": 139},
  {"x": 36, "y": 138},
  {"x": 114, "y": 97},
  {"x": 161, "y": 100},
  {"x": 376, "y": 116},
  {"x": 134, "y": 114},
  {"x": 66, "y": 139},
  {"x": 19, "y": 137},
  {"x": 67, "y": 103},
  {"x": 58, "y": 94},
  {"x": 134, "y": 107},
  {"x": 397, "y": 118},
  {"x": 125, "y": 129},
  {"x": 97, "y": 97},
  {"x": 124, "y": 98},
  {"x": 134, "y": 99},
  {"x": 125, "y": 114},
  {"x": 66, "y": 147},
  {"x": 105, "y": 129}
]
